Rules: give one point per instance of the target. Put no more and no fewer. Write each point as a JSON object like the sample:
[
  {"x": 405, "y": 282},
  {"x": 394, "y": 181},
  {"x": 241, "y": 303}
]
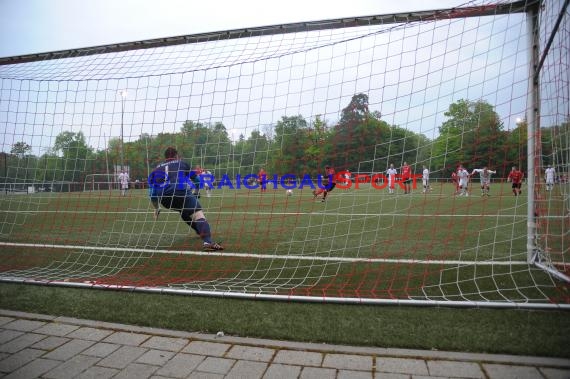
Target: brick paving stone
[
  {"x": 201, "y": 375},
  {"x": 389, "y": 375},
  {"x": 302, "y": 358},
  {"x": 101, "y": 349},
  {"x": 21, "y": 342},
  {"x": 280, "y": 371},
  {"x": 318, "y": 373},
  {"x": 89, "y": 352},
  {"x": 247, "y": 369},
  {"x": 555, "y": 373},
  {"x": 136, "y": 371},
  {"x": 97, "y": 372},
  {"x": 5, "y": 320},
  {"x": 165, "y": 343},
  {"x": 22, "y": 357},
  {"x": 180, "y": 366},
  {"x": 56, "y": 329},
  {"x": 33, "y": 369},
  {"x": 122, "y": 357},
  {"x": 7, "y": 335},
  {"x": 455, "y": 369},
  {"x": 50, "y": 343},
  {"x": 211, "y": 349},
  {"x": 72, "y": 367},
  {"x": 23, "y": 325},
  {"x": 250, "y": 353},
  {"x": 68, "y": 350},
  {"x": 350, "y": 374},
  {"x": 499, "y": 371},
  {"x": 401, "y": 365},
  {"x": 216, "y": 365},
  {"x": 348, "y": 362},
  {"x": 90, "y": 334},
  {"x": 126, "y": 338},
  {"x": 155, "y": 357}
]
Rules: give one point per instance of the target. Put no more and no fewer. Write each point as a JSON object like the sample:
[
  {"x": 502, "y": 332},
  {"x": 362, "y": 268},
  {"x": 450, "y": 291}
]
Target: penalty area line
[{"x": 267, "y": 256}]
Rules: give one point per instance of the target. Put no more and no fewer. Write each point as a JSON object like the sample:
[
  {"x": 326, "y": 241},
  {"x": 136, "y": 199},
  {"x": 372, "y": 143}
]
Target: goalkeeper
[{"x": 168, "y": 188}]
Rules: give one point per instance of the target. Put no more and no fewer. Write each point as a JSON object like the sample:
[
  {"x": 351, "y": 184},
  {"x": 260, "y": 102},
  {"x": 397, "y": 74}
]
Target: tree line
[{"x": 360, "y": 141}]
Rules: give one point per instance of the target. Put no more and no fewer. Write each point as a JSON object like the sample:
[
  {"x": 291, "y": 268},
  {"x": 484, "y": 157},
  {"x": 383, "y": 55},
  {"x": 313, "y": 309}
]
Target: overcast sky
[
  {"x": 35, "y": 26},
  {"x": 82, "y": 94}
]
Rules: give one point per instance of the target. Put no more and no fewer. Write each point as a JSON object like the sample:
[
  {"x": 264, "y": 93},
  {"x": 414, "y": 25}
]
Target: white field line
[
  {"x": 267, "y": 256},
  {"x": 345, "y": 214}
]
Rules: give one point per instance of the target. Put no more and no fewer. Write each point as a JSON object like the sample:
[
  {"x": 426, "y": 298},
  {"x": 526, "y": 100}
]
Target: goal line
[{"x": 269, "y": 256}]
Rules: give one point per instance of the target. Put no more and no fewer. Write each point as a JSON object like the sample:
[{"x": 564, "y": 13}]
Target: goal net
[{"x": 423, "y": 116}]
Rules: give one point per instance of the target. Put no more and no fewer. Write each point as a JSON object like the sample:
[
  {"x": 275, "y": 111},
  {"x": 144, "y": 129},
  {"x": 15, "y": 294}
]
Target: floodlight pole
[{"x": 123, "y": 94}]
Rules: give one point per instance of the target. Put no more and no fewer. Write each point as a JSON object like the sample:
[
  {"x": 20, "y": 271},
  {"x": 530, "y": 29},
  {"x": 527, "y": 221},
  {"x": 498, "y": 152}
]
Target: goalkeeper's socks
[{"x": 203, "y": 229}]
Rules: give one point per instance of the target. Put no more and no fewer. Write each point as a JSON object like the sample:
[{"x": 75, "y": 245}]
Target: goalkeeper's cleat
[{"x": 214, "y": 246}]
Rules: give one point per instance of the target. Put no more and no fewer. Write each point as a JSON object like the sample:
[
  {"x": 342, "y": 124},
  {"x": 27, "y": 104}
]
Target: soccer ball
[{"x": 289, "y": 192}]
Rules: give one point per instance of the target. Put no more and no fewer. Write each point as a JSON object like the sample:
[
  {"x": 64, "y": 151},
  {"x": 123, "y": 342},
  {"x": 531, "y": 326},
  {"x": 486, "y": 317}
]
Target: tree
[
  {"x": 516, "y": 147},
  {"x": 555, "y": 144},
  {"x": 291, "y": 140},
  {"x": 206, "y": 144},
  {"x": 75, "y": 152},
  {"x": 21, "y": 149},
  {"x": 318, "y": 134},
  {"x": 471, "y": 136},
  {"x": 356, "y": 111},
  {"x": 361, "y": 140},
  {"x": 71, "y": 145}
]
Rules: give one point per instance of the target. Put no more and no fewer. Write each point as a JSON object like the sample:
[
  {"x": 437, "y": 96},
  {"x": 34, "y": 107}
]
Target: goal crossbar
[{"x": 520, "y": 6}]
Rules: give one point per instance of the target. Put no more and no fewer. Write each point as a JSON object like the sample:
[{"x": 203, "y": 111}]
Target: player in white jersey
[
  {"x": 391, "y": 174},
  {"x": 463, "y": 176},
  {"x": 485, "y": 175},
  {"x": 207, "y": 183},
  {"x": 123, "y": 182},
  {"x": 549, "y": 174},
  {"x": 425, "y": 180}
]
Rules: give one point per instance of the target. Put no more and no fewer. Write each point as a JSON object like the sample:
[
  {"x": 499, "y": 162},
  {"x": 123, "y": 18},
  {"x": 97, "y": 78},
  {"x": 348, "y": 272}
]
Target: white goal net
[{"x": 446, "y": 132}]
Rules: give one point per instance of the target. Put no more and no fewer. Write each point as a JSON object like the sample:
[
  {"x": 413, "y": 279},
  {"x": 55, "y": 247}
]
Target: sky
[
  {"x": 246, "y": 96},
  {"x": 35, "y": 26}
]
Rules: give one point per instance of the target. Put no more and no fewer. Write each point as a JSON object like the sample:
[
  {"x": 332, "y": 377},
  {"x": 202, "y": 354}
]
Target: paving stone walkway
[{"x": 40, "y": 346}]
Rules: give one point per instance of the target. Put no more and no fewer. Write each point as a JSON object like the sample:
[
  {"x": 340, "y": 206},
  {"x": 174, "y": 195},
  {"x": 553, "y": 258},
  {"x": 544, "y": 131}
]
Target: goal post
[{"x": 419, "y": 118}]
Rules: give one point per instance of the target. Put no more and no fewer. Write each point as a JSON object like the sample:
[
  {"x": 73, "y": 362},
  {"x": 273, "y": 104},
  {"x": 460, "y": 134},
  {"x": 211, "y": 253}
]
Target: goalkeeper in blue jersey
[{"x": 168, "y": 187}]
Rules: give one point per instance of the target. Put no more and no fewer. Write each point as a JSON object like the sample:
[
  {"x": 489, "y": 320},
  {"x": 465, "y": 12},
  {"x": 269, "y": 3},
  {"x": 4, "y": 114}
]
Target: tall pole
[
  {"x": 147, "y": 161},
  {"x": 123, "y": 94}
]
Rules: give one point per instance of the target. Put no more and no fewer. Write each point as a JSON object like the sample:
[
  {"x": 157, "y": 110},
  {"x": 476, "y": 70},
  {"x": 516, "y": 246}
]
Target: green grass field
[
  {"x": 361, "y": 243},
  {"x": 294, "y": 245}
]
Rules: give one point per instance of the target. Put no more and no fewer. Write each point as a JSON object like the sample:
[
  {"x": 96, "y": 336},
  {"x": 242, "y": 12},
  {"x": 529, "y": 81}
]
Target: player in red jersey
[
  {"x": 329, "y": 186},
  {"x": 261, "y": 179},
  {"x": 407, "y": 177},
  {"x": 516, "y": 176},
  {"x": 455, "y": 181}
]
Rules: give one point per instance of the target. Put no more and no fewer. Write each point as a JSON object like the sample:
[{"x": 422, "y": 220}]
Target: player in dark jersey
[
  {"x": 331, "y": 183},
  {"x": 171, "y": 185}
]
